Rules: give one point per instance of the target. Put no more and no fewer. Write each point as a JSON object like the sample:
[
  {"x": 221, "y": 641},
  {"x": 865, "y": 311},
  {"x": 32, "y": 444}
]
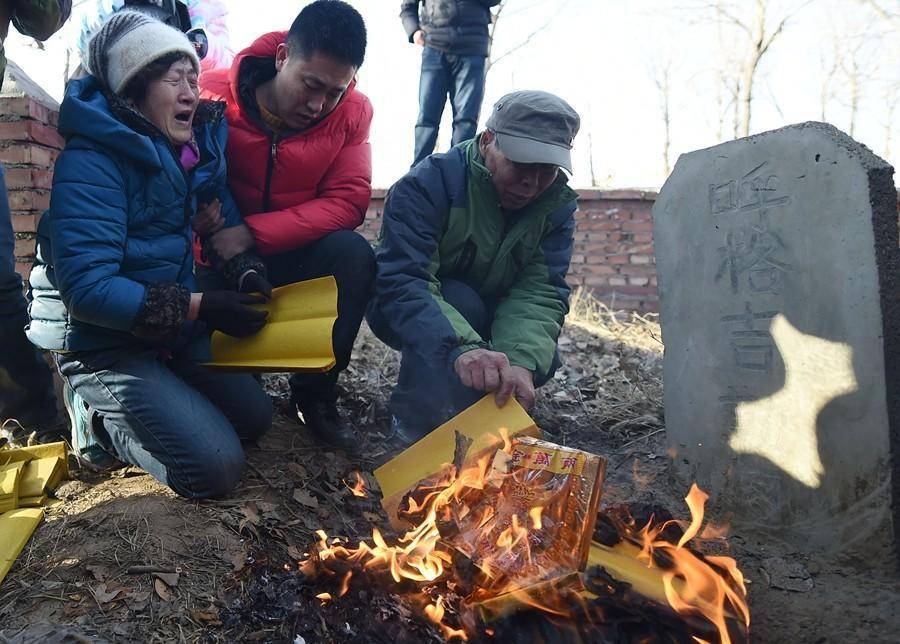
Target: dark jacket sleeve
[
  {"x": 528, "y": 320},
  {"x": 235, "y": 268},
  {"x": 40, "y": 19},
  {"x": 407, "y": 290},
  {"x": 489, "y": 3},
  {"x": 409, "y": 16}
]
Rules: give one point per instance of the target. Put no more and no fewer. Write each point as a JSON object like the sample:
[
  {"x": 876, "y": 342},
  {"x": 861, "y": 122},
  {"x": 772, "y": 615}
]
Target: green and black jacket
[{"x": 443, "y": 220}]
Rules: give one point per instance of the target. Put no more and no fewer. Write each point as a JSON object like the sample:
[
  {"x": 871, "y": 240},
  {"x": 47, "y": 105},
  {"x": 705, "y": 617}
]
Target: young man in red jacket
[{"x": 300, "y": 168}]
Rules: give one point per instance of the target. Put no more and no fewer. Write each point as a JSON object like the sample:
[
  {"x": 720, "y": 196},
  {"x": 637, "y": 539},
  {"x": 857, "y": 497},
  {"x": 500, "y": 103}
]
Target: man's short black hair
[{"x": 330, "y": 27}]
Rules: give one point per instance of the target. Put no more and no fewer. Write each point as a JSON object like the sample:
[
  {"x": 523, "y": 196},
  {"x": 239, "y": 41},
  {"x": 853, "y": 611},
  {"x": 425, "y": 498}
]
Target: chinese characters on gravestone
[{"x": 752, "y": 260}]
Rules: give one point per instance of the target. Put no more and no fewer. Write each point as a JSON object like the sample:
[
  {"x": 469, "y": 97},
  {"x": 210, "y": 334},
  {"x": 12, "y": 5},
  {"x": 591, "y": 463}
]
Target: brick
[
  {"x": 18, "y": 178},
  {"x": 638, "y": 281},
  {"x": 642, "y": 237},
  {"x": 26, "y": 107},
  {"x": 25, "y": 222},
  {"x": 638, "y": 226},
  {"x": 600, "y": 224},
  {"x": 24, "y": 269},
  {"x": 617, "y": 280},
  {"x": 641, "y": 259},
  {"x": 595, "y": 280},
  {"x": 24, "y": 247},
  {"x": 15, "y": 154},
  {"x": 28, "y": 200},
  {"x": 596, "y": 269},
  {"x": 31, "y": 131},
  {"x": 578, "y": 259}
]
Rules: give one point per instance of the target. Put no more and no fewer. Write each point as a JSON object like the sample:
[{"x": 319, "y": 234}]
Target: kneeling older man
[{"x": 472, "y": 261}]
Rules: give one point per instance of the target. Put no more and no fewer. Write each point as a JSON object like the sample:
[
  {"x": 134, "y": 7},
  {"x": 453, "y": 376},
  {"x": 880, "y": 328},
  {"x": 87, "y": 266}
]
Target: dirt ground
[{"x": 218, "y": 565}]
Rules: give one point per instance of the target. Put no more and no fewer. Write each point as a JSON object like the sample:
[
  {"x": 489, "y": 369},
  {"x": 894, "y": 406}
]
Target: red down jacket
[{"x": 320, "y": 179}]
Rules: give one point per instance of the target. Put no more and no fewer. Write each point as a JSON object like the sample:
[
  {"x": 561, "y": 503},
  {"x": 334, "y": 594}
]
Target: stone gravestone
[{"x": 778, "y": 266}]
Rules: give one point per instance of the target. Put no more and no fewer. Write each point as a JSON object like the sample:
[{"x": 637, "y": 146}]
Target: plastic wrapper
[{"x": 533, "y": 517}]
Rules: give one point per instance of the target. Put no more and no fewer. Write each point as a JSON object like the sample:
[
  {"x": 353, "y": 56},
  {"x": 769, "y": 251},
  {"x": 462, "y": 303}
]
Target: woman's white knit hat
[{"x": 128, "y": 42}]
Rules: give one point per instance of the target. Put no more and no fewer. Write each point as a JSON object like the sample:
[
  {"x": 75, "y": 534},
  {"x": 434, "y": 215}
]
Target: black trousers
[
  {"x": 26, "y": 387},
  {"x": 349, "y": 257}
]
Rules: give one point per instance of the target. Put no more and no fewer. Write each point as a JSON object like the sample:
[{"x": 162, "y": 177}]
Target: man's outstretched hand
[{"x": 486, "y": 370}]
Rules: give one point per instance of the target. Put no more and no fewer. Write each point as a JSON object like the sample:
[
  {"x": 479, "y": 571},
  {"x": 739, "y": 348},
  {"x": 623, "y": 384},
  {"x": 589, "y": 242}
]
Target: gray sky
[{"x": 600, "y": 55}]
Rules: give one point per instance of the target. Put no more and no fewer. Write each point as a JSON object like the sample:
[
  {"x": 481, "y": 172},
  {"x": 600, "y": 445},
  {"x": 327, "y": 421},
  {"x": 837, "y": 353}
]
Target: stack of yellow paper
[
  {"x": 27, "y": 476},
  {"x": 296, "y": 337}
]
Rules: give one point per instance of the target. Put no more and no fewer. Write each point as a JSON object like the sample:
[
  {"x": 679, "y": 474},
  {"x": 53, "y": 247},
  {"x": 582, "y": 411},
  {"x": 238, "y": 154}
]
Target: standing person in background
[
  {"x": 26, "y": 388},
  {"x": 455, "y": 44}
]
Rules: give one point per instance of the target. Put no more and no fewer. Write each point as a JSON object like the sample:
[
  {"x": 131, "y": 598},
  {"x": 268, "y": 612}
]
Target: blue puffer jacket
[{"x": 115, "y": 246}]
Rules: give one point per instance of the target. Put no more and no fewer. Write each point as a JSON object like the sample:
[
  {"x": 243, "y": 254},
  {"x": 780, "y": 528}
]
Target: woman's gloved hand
[{"x": 228, "y": 312}]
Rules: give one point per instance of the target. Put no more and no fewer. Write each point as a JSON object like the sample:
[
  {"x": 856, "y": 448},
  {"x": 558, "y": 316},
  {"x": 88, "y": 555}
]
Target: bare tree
[
  {"x": 759, "y": 32},
  {"x": 662, "y": 79},
  {"x": 503, "y": 11}
]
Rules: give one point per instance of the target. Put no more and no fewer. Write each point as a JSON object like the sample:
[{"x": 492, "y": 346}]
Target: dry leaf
[
  {"x": 305, "y": 498},
  {"x": 371, "y": 517},
  {"x": 250, "y": 513},
  {"x": 162, "y": 590},
  {"x": 239, "y": 560},
  {"x": 169, "y": 578},
  {"x": 297, "y": 471},
  {"x": 103, "y": 595},
  {"x": 209, "y": 616},
  {"x": 295, "y": 553},
  {"x": 100, "y": 573}
]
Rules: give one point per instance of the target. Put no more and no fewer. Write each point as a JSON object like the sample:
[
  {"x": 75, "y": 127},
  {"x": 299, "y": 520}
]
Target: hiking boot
[
  {"x": 325, "y": 422},
  {"x": 87, "y": 432}
]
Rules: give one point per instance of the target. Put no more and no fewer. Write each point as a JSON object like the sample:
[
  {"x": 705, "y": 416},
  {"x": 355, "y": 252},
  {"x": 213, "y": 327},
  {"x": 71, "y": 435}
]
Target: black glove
[
  {"x": 227, "y": 311},
  {"x": 253, "y": 282}
]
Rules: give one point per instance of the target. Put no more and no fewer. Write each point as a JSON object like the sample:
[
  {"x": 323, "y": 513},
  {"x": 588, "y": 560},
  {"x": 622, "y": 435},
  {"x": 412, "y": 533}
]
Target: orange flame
[
  {"x": 535, "y": 514},
  {"x": 692, "y": 584},
  {"x": 359, "y": 488}
]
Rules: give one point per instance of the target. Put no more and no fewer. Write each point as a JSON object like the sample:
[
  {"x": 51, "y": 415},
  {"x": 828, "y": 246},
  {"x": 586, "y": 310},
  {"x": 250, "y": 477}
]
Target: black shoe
[{"x": 324, "y": 421}]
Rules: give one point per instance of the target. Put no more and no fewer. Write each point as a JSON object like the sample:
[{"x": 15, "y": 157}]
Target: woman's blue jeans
[{"x": 175, "y": 419}]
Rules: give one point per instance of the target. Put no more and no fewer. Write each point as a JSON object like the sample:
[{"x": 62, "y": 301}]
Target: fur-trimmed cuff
[
  {"x": 237, "y": 266},
  {"x": 164, "y": 310}
]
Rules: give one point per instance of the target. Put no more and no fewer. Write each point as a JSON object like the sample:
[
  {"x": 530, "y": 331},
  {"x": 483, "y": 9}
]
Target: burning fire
[
  {"x": 511, "y": 551},
  {"x": 358, "y": 488},
  {"x": 710, "y": 586}
]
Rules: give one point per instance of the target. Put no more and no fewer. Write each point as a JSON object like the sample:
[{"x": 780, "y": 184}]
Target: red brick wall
[
  {"x": 613, "y": 254},
  {"x": 29, "y": 145}
]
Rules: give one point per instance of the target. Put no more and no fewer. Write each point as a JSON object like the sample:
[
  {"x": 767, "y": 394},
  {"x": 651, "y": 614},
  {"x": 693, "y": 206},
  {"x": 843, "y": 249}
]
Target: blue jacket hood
[{"x": 85, "y": 111}]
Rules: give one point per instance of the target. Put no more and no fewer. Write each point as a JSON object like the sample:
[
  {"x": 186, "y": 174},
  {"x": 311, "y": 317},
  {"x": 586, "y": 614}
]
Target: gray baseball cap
[{"x": 535, "y": 127}]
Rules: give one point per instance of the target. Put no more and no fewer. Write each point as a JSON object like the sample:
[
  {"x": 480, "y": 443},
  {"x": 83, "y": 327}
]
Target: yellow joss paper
[
  {"x": 16, "y": 527},
  {"x": 296, "y": 337},
  {"x": 10, "y": 482}
]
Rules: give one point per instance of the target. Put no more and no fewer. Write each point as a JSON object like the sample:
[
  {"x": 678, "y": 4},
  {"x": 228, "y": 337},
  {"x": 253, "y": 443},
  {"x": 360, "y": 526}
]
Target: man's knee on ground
[{"x": 216, "y": 473}]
